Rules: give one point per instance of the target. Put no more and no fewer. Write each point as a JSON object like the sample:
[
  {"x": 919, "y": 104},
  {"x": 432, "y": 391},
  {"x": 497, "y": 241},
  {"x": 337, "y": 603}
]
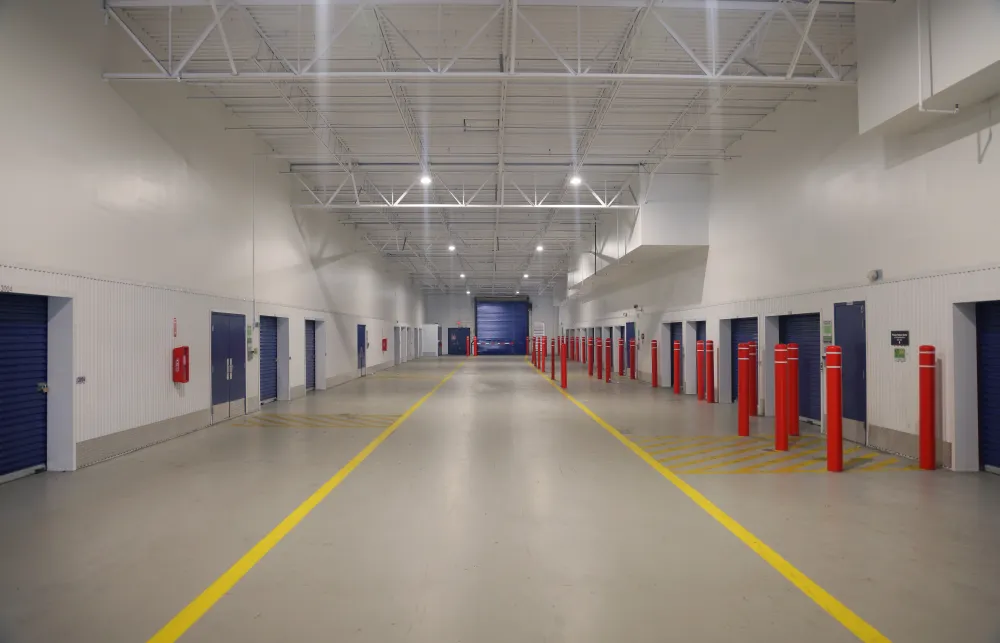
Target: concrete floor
[{"x": 497, "y": 512}]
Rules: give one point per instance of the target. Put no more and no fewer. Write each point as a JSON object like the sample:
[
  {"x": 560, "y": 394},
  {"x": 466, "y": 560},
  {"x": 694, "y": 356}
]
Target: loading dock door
[
  {"x": 310, "y": 354},
  {"x": 268, "y": 359},
  {"x": 676, "y": 332},
  {"x": 804, "y": 330},
  {"x": 988, "y": 359},
  {"x": 501, "y": 327},
  {"x": 23, "y": 372},
  {"x": 744, "y": 330},
  {"x": 629, "y": 336}
]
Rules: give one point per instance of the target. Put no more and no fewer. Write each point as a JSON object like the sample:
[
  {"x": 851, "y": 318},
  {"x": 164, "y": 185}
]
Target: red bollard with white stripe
[
  {"x": 700, "y": 368},
  {"x": 600, "y": 357},
  {"x": 654, "y": 354},
  {"x": 792, "y": 418},
  {"x": 780, "y": 397},
  {"x": 607, "y": 361},
  {"x": 710, "y": 371},
  {"x": 754, "y": 368},
  {"x": 834, "y": 410},
  {"x": 677, "y": 367},
  {"x": 743, "y": 389},
  {"x": 590, "y": 356},
  {"x": 928, "y": 408},
  {"x": 631, "y": 358}
]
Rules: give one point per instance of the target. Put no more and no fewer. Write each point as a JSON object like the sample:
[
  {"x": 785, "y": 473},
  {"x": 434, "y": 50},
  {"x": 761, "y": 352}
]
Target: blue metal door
[
  {"x": 849, "y": 331},
  {"x": 629, "y": 336},
  {"x": 676, "y": 332},
  {"x": 742, "y": 330},
  {"x": 804, "y": 330},
  {"x": 456, "y": 340},
  {"x": 220, "y": 360},
  {"x": 237, "y": 364},
  {"x": 23, "y": 373},
  {"x": 362, "y": 347},
  {"x": 501, "y": 327},
  {"x": 310, "y": 354},
  {"x": 988, "y": 358},
  {"x": 700, "y": 330},
  {"x": 268, "y": 359}
]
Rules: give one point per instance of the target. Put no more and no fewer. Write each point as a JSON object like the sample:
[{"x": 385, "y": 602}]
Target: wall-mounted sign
[
  {"x": 899, "y": 354},
  {"x": 827, "y": 332},
  {"x": 899, "y": 337}
]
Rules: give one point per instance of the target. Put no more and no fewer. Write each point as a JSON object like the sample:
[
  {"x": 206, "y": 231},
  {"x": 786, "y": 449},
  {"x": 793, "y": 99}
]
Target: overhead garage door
[
  {"x": 310, "y": 354},
  {"x": 268, "y": 359},
  {"x": 676, "y": 332},
  {"x": 743, "y": 330},
  {"x": 501, "y": 327},
  {"x": 23, "y": 367},
  {"x": 988, "y": 340},
  {"x": 804, "y": 330}
]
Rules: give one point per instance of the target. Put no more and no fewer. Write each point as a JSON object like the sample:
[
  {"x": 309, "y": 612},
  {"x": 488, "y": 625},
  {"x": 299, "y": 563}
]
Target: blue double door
[
  {"x": 229, "y": 367},
  {"x": 850, "y": 334},
  {"x": 23, "y": 388}
]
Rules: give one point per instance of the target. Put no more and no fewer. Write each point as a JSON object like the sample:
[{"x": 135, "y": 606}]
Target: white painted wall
[
  {"x": 796, "y": 224},
  {"x": 136, "y": 203},
  {"x": 958, "y": 40}
]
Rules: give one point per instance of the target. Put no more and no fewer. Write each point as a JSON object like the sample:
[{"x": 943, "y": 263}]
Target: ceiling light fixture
[
  {"x": 539, "y": 248},
  {"x": 468, "y": 292},
  {"x": 518, "y": 292},
  {"x": 425, "y": 179},
  {"x": 525, "y": 275},
  {"x": 462, "y": 275},
  {"x": 575, "y": 180},
  {"x": 451, "y": 248}
]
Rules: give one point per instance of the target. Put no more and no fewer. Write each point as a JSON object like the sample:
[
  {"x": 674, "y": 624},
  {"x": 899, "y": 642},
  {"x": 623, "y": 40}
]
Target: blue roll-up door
[
  {"x": 501, "y": 327},
  {"x": 743, "y": 330},
  {"x": 988, "y": 341},
  {"x": 310, "y": 354},
  {"x": 700, "y": 331},
  {"x": 268, "y": 359},
  {"x": 676, "y": 333},
  {"x": 804, "y": 330},
  {"x": 629, "y": 336},
  {"x": 23, "y": 367}
]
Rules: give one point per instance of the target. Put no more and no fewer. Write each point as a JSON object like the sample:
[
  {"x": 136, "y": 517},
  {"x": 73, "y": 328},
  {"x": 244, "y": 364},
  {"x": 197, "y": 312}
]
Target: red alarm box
[
  {"x": 181, "y": 364},
  {"x": 385, "y": 344}
]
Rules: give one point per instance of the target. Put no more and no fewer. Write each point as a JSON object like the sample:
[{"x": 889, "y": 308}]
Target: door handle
[{"x": 229, "y": 368}]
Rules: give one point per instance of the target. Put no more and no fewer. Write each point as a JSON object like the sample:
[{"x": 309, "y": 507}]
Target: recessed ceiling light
[
  {"x": 575, "y": 180},
  {"x": 468, "y": 292},
  {"x": 539, "y": 248},
  {"x": 451, "y": 248},
  {"x": 525, "y": 275},
  {"x": 462, "y": 275},
  {"x": 425, "y": 180},
  {"x": 518, "y": 292}
]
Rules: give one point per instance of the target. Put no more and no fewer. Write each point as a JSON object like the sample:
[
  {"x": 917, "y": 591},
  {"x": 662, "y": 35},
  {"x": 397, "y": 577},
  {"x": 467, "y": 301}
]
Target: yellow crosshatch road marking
[
  {"x": 730, "y": 455},
  {"x": 318, "y": 421}
]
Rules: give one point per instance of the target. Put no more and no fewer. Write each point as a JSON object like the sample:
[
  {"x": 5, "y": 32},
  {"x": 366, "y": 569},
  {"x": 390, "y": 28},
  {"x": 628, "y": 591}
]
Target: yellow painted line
[
  {"x": 197, "y": 608},
  {"x": 717, "y": 443},
  {"x": 720, "y": 450},
  {"x": 854, "y": 623}
]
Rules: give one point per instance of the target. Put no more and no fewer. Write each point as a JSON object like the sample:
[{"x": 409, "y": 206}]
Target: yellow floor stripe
[
  {"x": 719, "y": 449},
  {"x": 798, "y": 467},
  {"x": 682, "y": 467},
  {"x": 190, "y": 615},
  {"x": 790, "y": 457},
  {"x": 854, "y": 623},
  {"x": 719, "y": 443}
]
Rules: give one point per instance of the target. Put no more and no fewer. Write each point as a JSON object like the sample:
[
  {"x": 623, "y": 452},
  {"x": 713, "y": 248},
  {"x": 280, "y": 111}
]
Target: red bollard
[
  {"x": 677, "y": 367},
  {"x": 700, "y": 368},
  {"x": 780, "y": 397},
  {"x": 710, "y": 371},
  {"x": 545, "y": 351},
  {"x": 654, "y": 354},
  {"x": 527, "y": 345},
  {"x": 553, "y": 359},
  {"x": 743, "y": 392},
  {"x": 754, "y": 369},
  {"x": 834, "y": 410},
  {"x": 792, "y": 417},
  {"x": 928, "y": 384},
  {"x": 621, "y": 357},
  {"x": 599, "y": 345},
  {"x": 590, "y": 356},
  {"x": 562, "y": 364},
  {"x": 631, "y": 358},
  {"x": 607, "y": 369},
  {"x": 475, "y": 346},
  {"x": 468, "y": 344}
]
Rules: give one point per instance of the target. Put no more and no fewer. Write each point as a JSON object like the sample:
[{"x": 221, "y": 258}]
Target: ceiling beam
[{"x": 724, "y": 5}]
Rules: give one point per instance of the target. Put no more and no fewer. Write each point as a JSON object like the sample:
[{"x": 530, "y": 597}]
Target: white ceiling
[{"x": 362, "y": 99}]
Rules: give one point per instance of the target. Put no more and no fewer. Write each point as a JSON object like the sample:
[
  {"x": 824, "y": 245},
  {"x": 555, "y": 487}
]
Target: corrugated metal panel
[
  {"x": 804, "y": 330},
  {"x": 501, "y": 327},
  {"x": 988, "y": 360},
  {"x": 268, "y": 359},
  {"x": 743, "y": 330},
  {"x": 23, "y": 365},
  {"x": 310, "y": 354}
]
